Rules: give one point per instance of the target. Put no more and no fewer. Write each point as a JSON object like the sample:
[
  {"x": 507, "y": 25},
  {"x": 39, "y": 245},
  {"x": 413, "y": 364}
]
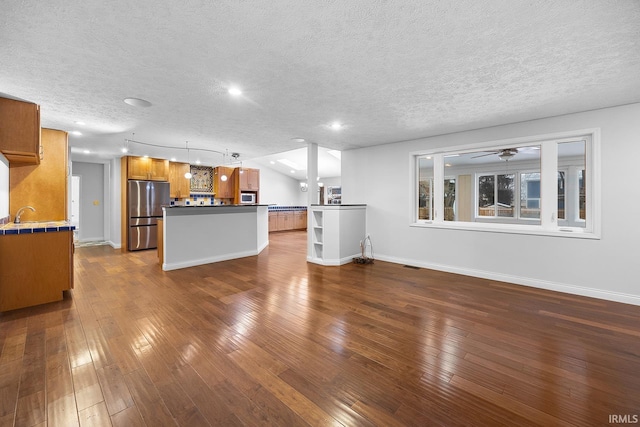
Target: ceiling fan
[{"x": 505, "y": 154}]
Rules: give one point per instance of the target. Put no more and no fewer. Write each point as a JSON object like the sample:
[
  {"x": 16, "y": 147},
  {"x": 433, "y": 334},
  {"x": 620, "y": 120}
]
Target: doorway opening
[{"x": 75, "y": 205}]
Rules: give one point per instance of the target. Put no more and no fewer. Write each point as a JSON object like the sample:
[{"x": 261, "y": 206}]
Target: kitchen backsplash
[{"x": 195, "y": 199}]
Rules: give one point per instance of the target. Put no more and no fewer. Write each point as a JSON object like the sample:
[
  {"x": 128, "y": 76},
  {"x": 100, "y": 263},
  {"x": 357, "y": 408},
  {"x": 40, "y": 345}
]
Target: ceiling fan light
[{"x": 507, "y": 155}]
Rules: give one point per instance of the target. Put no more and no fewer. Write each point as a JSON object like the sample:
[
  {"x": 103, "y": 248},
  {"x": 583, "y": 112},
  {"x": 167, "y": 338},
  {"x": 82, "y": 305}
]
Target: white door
[{"x": 75, "y": 202}]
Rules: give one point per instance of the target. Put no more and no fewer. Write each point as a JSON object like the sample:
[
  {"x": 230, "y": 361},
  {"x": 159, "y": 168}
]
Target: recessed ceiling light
[
  {"x": 78, "y": 122},
  {"x": 336, "y": 126},
  {"x": 292, "y": 171},
  {"x": 173, "y": 159},
  {"x": 297, "y": 139},
  {"x": 86, "y": 151},
  {"x": 272, "y": 162},
  {"x": 137, "y": 102},
  {"x": 235, "y": 91},
  {"x": 75, "y": 132},
  {"x": 124, "y": 150},
  {"x": 198, "y": 162},
  {"x": 146, "y": 156}
]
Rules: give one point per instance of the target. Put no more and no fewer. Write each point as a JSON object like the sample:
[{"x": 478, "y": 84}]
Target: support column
[{"x": 312, "y": 173}]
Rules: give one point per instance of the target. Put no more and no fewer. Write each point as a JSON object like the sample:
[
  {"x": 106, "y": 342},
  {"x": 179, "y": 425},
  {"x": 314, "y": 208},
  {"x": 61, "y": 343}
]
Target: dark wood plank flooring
[{"x": 273, "y": 340}]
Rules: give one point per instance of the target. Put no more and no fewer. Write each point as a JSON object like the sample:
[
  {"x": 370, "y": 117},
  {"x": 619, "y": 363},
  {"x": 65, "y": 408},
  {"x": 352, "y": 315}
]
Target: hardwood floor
[{"x": 273, "y": 340}]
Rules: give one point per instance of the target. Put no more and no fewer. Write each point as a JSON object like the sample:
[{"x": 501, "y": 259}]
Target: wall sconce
[{"x": 304, "y": 187}]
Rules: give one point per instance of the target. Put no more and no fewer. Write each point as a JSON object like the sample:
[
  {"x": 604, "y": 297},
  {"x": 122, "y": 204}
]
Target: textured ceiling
[{"x": 389, "y": 70}]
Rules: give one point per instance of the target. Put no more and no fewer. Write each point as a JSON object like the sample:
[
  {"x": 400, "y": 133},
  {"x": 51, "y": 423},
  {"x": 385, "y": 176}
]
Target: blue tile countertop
[
  {"x": 36, "y": 227},
  {"x": 278, "y": 208}
]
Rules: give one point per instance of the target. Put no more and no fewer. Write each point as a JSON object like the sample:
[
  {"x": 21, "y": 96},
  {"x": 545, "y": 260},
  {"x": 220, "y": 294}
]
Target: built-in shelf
[
  {"x": 336, "y": 233},
  {"x": 317, "y": 234}
]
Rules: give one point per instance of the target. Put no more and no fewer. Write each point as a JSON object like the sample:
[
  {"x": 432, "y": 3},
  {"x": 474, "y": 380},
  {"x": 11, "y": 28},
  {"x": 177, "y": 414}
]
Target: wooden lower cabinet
[
  {"x": 35, "y": 268},
  {"x": 300, "y": 220},
  {"x": 287, "y": 220},
  {"x": 273, "y": 221}
]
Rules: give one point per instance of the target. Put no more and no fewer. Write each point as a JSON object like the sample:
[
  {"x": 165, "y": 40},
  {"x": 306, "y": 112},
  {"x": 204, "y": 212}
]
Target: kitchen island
[{"x": 196, "y": 235}]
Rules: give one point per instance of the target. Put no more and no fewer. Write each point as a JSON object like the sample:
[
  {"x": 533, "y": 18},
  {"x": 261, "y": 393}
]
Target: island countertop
[{"x": 209, "y": 206}]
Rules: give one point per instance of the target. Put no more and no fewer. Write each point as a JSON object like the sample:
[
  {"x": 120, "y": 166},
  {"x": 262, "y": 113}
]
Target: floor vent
[{"x": 412, "y": 267}]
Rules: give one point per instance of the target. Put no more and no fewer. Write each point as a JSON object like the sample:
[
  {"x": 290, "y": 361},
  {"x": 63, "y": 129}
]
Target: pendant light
[{"x": 188, "y": 174}]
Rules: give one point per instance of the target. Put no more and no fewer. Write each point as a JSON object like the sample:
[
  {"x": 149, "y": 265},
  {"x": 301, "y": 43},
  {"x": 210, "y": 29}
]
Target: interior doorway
[{"x": 75, "y": 204}]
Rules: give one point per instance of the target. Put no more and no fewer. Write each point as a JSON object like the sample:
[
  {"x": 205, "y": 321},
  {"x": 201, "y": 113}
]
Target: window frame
[{"x": 548, "y": 224}]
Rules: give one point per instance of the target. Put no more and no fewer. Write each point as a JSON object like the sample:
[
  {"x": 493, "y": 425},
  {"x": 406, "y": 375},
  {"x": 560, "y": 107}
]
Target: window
[
  {"x": 450, "y": 199},
  {"x": 530, "y": 195},
  {"x": 425, "y": 189},
  {"x": 496, "y": 195},
  {"x": 532, "y": 185}
]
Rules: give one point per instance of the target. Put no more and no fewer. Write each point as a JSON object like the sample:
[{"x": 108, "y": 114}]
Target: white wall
[
  {"x": 607, "y": 268},
  {"x": 92, "y": 199},
  {"x": 113, "y": 186},
  {"x": 277, "y": 188},
  {"x": 4, "y": 187}
]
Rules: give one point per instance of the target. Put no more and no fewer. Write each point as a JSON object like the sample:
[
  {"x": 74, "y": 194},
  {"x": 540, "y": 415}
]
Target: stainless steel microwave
[{"x": 249, "y": 198}]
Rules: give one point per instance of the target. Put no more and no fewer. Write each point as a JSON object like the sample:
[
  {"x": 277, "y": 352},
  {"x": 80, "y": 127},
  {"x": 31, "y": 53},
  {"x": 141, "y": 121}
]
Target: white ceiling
[
  {"x": 328, "y": 164},
  {"x": 388, "y": 70}
]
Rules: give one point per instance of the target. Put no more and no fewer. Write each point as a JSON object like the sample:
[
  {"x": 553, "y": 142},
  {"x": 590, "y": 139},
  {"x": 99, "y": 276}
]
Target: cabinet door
[
  {"x": 300, "y": 220},
  {"x": 42, "y": 186},
  {"x": 249, "y": 179},
  {"x": 138, "y": 168},
  {"x": 253, "y": 179},
  {"x": 282, "y": 221},
  {"x": 273, "y": 221},
  {"x": 180, "y": 186},
  {"x": 224, "y": 189},
  {"x": 158, "y": 170},
  {"x": 285, "y": 221},
  {"x": 243, "y": 179},
  {"x": 20, "y": 131}
]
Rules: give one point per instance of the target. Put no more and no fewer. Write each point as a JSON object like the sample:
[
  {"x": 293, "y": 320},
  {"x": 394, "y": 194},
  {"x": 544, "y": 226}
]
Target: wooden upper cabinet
[
  {"x": 223, "y": 189},
  {"x": 42, "y": 186},
  {"x": 20, "y": 131},
  {"x": 179, "y": 186},
  {"x": 147, "y": 168},
  {"x": 249, "y": 179}
]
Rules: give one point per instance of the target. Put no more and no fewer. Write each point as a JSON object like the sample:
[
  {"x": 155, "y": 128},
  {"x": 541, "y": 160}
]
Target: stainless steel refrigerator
[{"x": 145, "y": 208}]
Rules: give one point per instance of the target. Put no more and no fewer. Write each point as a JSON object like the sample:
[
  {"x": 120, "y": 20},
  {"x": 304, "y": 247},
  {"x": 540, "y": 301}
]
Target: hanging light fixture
[{"x": 188, "y": 174}]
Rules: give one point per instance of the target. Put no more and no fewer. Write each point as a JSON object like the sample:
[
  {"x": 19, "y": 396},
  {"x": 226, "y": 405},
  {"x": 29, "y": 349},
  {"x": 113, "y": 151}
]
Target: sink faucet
[{"x": 19, "y": 213}]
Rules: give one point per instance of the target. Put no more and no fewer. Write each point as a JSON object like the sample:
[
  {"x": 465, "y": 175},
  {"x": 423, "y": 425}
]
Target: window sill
[{"x": 570, "y": 232}]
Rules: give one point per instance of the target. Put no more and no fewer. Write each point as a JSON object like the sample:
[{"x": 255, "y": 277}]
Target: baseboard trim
[
  {"x": 519, "y": 280},
  {"x": 333, "y": 261},
  {"x": 114, "y": 245},
  {"x": 208, "y": 260}
]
